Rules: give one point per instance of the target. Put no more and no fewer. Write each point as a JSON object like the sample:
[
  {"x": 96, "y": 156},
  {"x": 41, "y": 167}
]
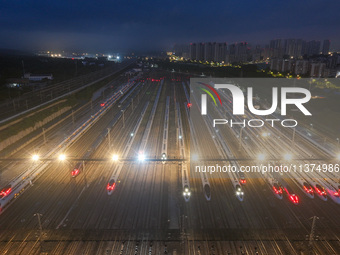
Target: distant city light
[
  {"x": 115, "y": 157},
  {"x": 141, "y": 157}
]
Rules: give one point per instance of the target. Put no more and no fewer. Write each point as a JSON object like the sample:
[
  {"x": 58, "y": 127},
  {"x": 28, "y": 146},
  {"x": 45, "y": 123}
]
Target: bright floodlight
[
  {"x": 62, "y": 157},
  {"x": 131, "y": 134},
  {"x": 115, "y": 157},
  {"x": 261, "y": 156},
  {"x": 180, "y": 137},
  {"x": 288, "y": 156},
  {"x": 35, "y": 157},
  {"x": 141, "y": 157}
]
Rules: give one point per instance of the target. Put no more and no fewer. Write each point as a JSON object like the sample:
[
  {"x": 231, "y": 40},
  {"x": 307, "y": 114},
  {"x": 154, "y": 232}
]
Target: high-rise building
[
  {"x": 300, "y": 46},
  {"x": 200, "y": 51},
  {"x": 276, "y": 48},
  {"x": 290, "y": 45},
  {"x": 257, "y": 53},
  {"x": 238, "y": 53},
  {"x": 181, "y": 50},
  {"x": 209, "y": 51},
  {"x": 294, "y": 48},
  {"x": 231, "y": 53},
  {"x": 325, "y": 47},
  {"x": 301, "y": 67},
  {"x": 220, "y": 52},
  {"x": 312, "y": 48},
  {"x": 192, "y": 51},
  {"x": 317, "y": 69}
]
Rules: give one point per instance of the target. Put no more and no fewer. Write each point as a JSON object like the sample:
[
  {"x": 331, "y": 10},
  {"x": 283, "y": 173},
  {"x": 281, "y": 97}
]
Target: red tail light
[
  {"x": 108, "y": 187},
  {"x": 75, "y": 172},
  {"x": 243, "y": 181},
  {"x": 189, "y": 105},
  {"x": 5, "y": 192},
  {"x": 277, "y": 191},
  {"x": 308, "y": 190},
  {"x": 321, "y": 192},
  {"x": 294, "y": 199},
  {"x": 102, "y": 104}
]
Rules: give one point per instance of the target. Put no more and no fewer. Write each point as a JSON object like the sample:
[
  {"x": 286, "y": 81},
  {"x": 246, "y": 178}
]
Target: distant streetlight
[
  {"x": 141, "y": 157},
  {"x": 194, "y": 157},
  {"x": 261, "y": 156},
  {"x": 288, "y": 157},
  {"x": 35, "y": 157},
  {"x": 265, "y": 134},
  {"x": 39, "y": 221}
]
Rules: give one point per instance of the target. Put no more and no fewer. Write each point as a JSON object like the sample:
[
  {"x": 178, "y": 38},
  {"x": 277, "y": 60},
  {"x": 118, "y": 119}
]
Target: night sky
[{"x": 111, "y": 26}]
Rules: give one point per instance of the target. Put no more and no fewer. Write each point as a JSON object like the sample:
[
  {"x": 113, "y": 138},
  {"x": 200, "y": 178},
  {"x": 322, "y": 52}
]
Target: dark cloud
[{"x": 145, "y": 25}]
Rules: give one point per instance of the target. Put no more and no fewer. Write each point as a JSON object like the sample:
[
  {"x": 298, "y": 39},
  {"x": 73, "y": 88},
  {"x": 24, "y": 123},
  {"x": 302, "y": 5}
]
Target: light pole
[
  {"x": 311, "y": 235},
  {"x": 85, "y": 180},
  {"x": 108, "y": 136},
  {"x": 44, "y": 135},
  {"x": 123, "y": 118},
  {"x": 240, "y": 139},
  {"x": 72, "y": 117}
]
